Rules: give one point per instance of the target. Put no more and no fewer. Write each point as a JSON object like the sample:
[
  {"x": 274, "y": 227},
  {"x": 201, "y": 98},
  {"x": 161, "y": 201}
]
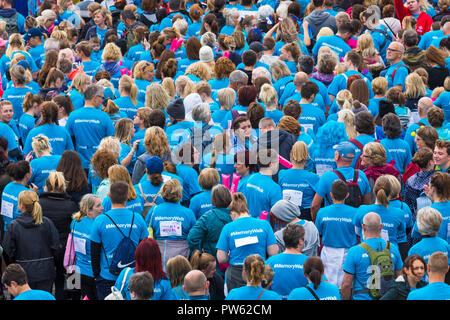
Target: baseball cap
[
  {"x": 345, "y": 149},
  {"x": 154, "y": 164},
  {"x": 33, "y": 32},
  {"x": 257, "y": 46}
]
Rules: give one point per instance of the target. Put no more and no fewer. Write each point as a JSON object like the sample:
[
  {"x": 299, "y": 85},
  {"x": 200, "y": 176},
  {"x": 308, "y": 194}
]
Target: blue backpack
[{"x": 123, "y": 255}]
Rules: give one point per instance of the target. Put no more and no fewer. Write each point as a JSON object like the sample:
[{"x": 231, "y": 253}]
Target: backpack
[
  {"x": 12, "y": 24},
  {"x": 387, "y": 37},
  {"x": 355, "y": 196},
  {"x": 382, "y": 271},
  {"x": 201, "y": 138},
  {"x": 123, "y": 255}
]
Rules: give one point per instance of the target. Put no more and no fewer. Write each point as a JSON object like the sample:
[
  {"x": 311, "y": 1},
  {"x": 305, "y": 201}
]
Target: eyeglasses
[{"x": 389, "y": 49}]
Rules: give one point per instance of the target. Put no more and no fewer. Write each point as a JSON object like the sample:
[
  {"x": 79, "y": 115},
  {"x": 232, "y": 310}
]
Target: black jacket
[
  {"x": 279, "y": 140},
  {"x": 400, "y": 289},
  {"x": 59, "y": 208},
  {"x": 33, "y": 246}
]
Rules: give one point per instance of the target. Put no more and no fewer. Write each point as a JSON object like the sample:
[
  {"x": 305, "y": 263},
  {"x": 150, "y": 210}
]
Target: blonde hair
[
  {"x": 279, "y": 69},
  {"x": 40, "y": 145},
  {"x": 118, "y": 173},
  {"x": 55, "y": 182},
  {"x": 110, "y": 107},
  {"x": 30, "y": 201},
  {"x": 111, "y": 52},
  {"x": 110, "y": 143},
  {"x": 200, "y": 70},
  {"x": 184, "y": 86},
  {"x": 347, "y": 117},
  {"x": 365, "y": 41},
  {"x": 382, "y": 190},
  {"x": 106, "y": 83},
  {"x": 156, "y": 97},
  {"x": 414, "y": 86},
  {"x": 123, "y": 130},
  {"x": 396, "y": 187},
  {"x": 226, "y": 97},
  {"x": 437, "y": 92},
  {"x": 15, "y": 43},
  {"x": 409, "y": 22},
  {"x": 325, "y": 31},
  {"x": 156, "y": 142},
  {"x": 172, "y": 191},
  {"x": 268, "y": 96},
  {"x": 238, "y": 203},
  {"x": 344, "y": 99},
  {"x": 169, "y": 85},
  {"x": 208, "y": 178},
  {"x": 59, "y": 35},
  {"x": 376, "y": 153},
  {"x": 254, "y": 270},
  {"x": 106, "y": 14},
  {"x": 128, "y": 85},
  {"x": 299, "y": 153},
  {"x": 141, "y": 67},
  {"x": 79, "y": 81},
  {"x": 87, "y": 203},
  {"x": 379, "y": 85}
]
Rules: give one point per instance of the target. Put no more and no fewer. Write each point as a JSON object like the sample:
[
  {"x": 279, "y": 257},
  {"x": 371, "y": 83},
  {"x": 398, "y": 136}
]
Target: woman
[
  {"x": 16, "y": 93},
  {"x": 128, "y": 91},
  {"x": 80, "y": 228},
  {"x": 143, "y": 74},
  {"x": 281, "y": 76},
  {"x": 31, "y": 240},
  {"x": 113, "y": 111},
  {"x": 31, "y": 113},
  {"x": 222, "y": 70},
  {"x": 20, "y": 173},
  {"x": 53, "y": 85},
  {"x": 141, "y": 34},
  {"x": 317, "y": 288},
  {"x": 394, "y": 228},
  {"x": 414, "y": 268},
  {"x": 76, "y": 181},
  {"x": 65, "y": 107},
  {"x": 220, "y": 157},
  {"x": 47, "y": 23},
  {"x": 228, "y": 249},
  {"x": 51, "y": 60},
  {"x": 156, "y": 144},
  {"x": 201, "y": 202},
  {"x": 157, "y": 98},
  {"x": 6, "y": 117},
  {"x": 245, "y": 165},
  {"x": 187, "y": 159},
  {"x": 177, "y": 268},
  {"x": 206, "y": 263},
  {"x": 193, "y": 46},
  {"x": 110, "y": 143},
  {"x": 148, "y": 258},
  {"x": 77, "y": 88},
  {"x": 254, "y": 274},
  {"x": 196, "y": 14},
  {"x": 58, "y": 207},
  {"x": 134, "y": 202},
  {"x": 103, "y": 22},
  {"x": 374, "y": 159},
  {"x": 227, "y": 99},
  {"x": 437, "y": 70},
  {"x": 360, "y": 92},
  {"x": 125, "y": 133},
  {"x": 43, "y": 161},
  {"x": 269, "y": 97},
  {"x": 297, "y": 183},
  {"x": 111, "y": 57},
  {"x": 326, "y": 63},
  {"x": 101, "y": 161},
  {"x": 415, "y": 89},
  {"x": 171, "y": 222},
  {"x": 243, "y": 135},
  {"x": 67, "y": 13},
  {"x": 347, "y": 117}
]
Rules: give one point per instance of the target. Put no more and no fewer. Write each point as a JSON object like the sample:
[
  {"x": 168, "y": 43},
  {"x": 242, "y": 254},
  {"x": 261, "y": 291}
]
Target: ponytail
[
  {"x": 255, "y": 270},
  {"x": 37, "y": 212},
  {"x": 382, "y": 190},
  {"x": 201, "y": 260},
  {"x": 30, "y": 201},
  {"x": 313, "y": 269}
]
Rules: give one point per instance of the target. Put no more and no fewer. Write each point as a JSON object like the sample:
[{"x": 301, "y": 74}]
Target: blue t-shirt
[
  {"x": 81, "y": 234},
  {"x": 443, "y": 102},
  {"x": 89, "y": 126},
  {"x": 429, "y": 245},
  {"x": 374, "y": 105},
  {"x": 126, "y": 105},
  {"x": 8, "y": 133},
  {"x": 224, "y": 163},
  {"x": 142, "y": 87},
  {"x": 398, "y": 150},
  {"x": 16, "y": 96},
  {"x": 35, "y": 295},
  {"x": 281, "y": 83},
  {"x": 77, "y": 99},
  {"x": 176, "y": 132},
  {"x": 105, "y": 232},
  {"x": 297, "y": 185},
  {"x": 444, "y": 231},
  {"x": 190, "y": 180},
  {"x": 38, "y": 54},
  {"x": 58, "y": 137},
  {"x": 432, "y": 291},
  {"x": 90, "y": 67},
  {"x": 134, "y": 205},
  {"x": 275, "y": 115},
  {"x": 340, "y": 83},
  {"x": 10, "y": 200},
  {"x": 335, "y": 225},
  {"x": 427, "y": 38},
  {"x": 201, "y": 203},
  {"x": 357, "y": 263},
  {"x": 335, "y": 43},
  {"x": 149, "y": 191},
  {"x": 41, "y": 168},
  {"x": 400, "y": 74},
  {"x": 325, "y": 291},
  {"x": 252, "y": 293},
  {"x": 26, "y": 123},
  {"x": 363, "y": 139},
  {"x": 261, "y": 193},
  {"x": 246, "y": 236},
  {"x": 288, "y": 269},
  {"x": 311, "y": 117}
]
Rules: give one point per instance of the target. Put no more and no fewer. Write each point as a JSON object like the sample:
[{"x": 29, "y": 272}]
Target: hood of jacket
[
  {"x": 418, "y": 180},
  {"x": 7, "y": 13},
  {"x": 414, "y": 56},
  {"x": 326, "y": 79},
  {"x": 26, "y": 220},
  {"x": 111, "y": 67},
  {"x": 377, "y": 171},
  {"x": 317, "y": 17}
]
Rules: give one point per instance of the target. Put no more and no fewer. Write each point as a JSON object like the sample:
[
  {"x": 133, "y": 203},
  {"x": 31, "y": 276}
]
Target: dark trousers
[
  {"x": 103, "y": 287},
  {"x": 88, "y": 288},
  {"x": 45, "y": 285}
]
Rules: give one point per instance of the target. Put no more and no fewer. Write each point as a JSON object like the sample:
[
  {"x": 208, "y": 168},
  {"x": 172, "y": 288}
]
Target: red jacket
[{"x": 424, "y": 21}]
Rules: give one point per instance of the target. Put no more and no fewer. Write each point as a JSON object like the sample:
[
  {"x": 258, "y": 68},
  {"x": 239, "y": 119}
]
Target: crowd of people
[{"x": 225, "y": 150}]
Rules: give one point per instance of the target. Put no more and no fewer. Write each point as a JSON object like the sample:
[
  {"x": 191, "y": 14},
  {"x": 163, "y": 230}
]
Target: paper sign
[
  {"x": 170, "y": 228},
  {"x": 7, "y": 209},
  {"x": 79, "y": 244},
  {"x": 293, "y": 196},
  {"x": 322, "y": 168},
  {"x": 245, "y": 241}
]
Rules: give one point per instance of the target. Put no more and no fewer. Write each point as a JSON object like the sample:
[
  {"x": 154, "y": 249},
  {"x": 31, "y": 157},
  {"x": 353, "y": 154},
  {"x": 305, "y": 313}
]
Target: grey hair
[
  {"x": 429, "y": 221},
  {"x": 201, "y": 112},
  {"x": 264, "y": 12},
  {"x": 229, "y": 14},
  {"x": 265, "y": 123},
  {"x": 51, "y": 44},
  {"x": 372, "y": 221},
  {"x": 238, "y": 76},
  {"x": 209, "y": 39},
  {"x": 92, "y": 90},
  {"x": 261, "y": 72},
  {"x": 282, "y": 9},
  {"x": 226, "y": 97}
]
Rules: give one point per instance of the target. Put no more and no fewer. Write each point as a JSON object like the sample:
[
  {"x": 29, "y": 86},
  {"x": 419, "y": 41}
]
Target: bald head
[
  {"x": 397, "y": 46},
  {"x": 372, "y": 224},
  {"x": 424, "y": 105},
  {"x": 395, "y": 52},
  {"x": 300, "y": 79},
  {"x": 195, "y": 282}
]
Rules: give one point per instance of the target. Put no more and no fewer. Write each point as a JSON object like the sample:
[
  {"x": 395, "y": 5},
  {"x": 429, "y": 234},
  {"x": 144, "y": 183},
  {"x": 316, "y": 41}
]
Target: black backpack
[
  {"x": 355, "y": 196},
  {"x": 201, "y": 138}
]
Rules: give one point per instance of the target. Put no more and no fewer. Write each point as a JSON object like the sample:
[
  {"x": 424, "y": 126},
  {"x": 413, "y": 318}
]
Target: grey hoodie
[{"x": 319, "y": 19}]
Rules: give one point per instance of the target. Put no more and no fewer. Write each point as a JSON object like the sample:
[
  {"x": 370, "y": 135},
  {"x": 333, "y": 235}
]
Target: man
[
  {"x": 414, "y": 57},
  {"x": 335, "y": 226},
  {"x": 352, "y": 61},
  {"x": 437, "y": 289},
  {"x": 413, "y": 8},
  {"x": 271, "y": 138},
  {"x": 288, "y": 265},
  {"x": 141, "y": 286},
  {"x": 196, "y": 285},
  {"x": 357, "y": 266},
  {"x": 249, "y": 60},
  {"x": 35, "y": 46},
  {"x": 397, "y": 72},
  {"x": 258, "y": 48},
  {"x": 311, "y": 117},
  {"x": 381, "y": 35},
  {"x": 319, "y": 18},
  {"x": 243, "y": 137},
  {"x": 337, "y": 43},
  {"x": 176, "y": 112},
  {"x": 15, "y": 22},
  {"x": 420, "y": 120},
  {"x": 441, "y": 156},
  {"x": 300, "y": 79},
  {"x": 268, "y": 49},
  {"x": 343, "y": 156},
  {"x": 445, "y": 27},
  {"x": 365, "y": 128},
  {"x": 89, "y": 125},
  {"x": 427, "y": 38},
  {"x": 130, "y": 21},
  {"x": 174, "y": 8},
  {"x": 261, "y": 191},
  {"x": 107, "y": 233},
  {"x": 15, "y": 280}
]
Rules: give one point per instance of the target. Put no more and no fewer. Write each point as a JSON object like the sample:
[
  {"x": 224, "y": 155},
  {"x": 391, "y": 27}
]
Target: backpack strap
[
  {"x": 357, "y": 143},
  {"x": 259, "y": 297},
  {"x": 116, "y": 224},
  {"x": 356, "y": 176},
  {"x": 340, "y": 175},
  {"x": 142, "y": 192},
  {"x": 312, "y": 292},
  {"x": 395, "y": 70}
]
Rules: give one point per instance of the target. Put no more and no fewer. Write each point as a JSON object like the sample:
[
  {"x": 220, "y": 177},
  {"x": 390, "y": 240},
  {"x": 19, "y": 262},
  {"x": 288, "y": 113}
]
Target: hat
[
  {"x": 190, "y": 102},
  {"x": 257, "y": 46},
  {"x": 346, "y": 149},
  {"x": 33, "y": 32},
  {"x": 206, "y": 54},
  {"x": 108, "y": 93},
  {"x": 154, "y": 164},
  {"x": 175, "y": 109},
  {"x": 385, "y": 107},
  {"x": 24, "y": 63},
  {"x": 285, "y": 210}
]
